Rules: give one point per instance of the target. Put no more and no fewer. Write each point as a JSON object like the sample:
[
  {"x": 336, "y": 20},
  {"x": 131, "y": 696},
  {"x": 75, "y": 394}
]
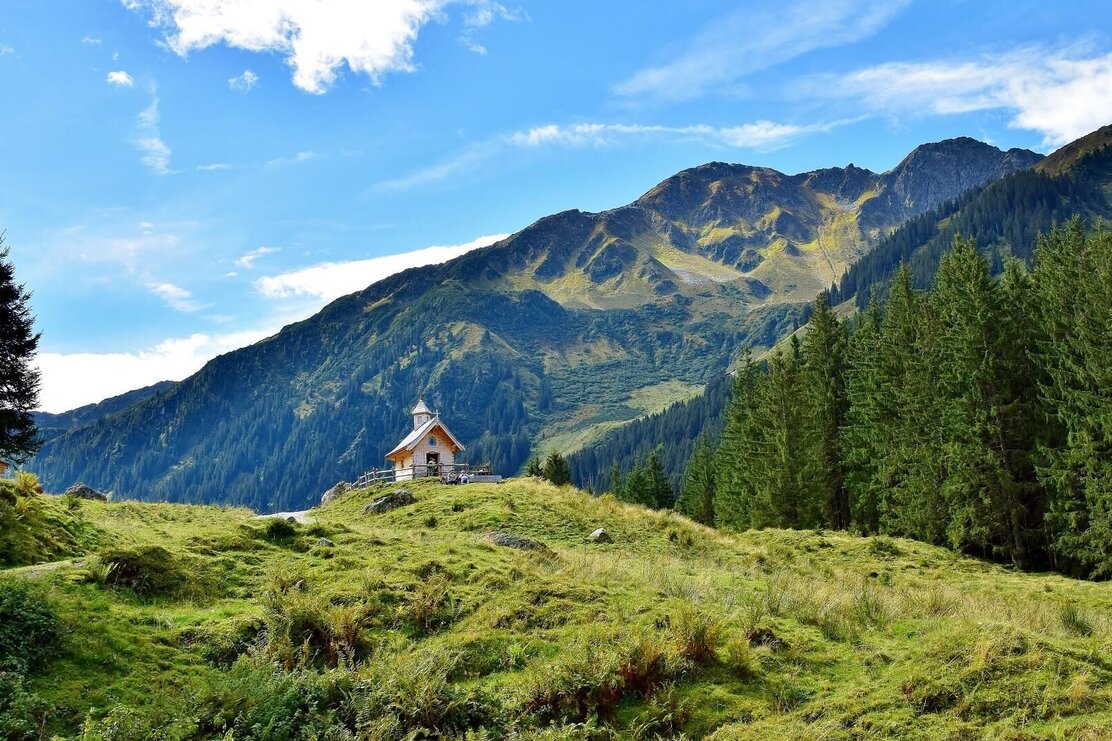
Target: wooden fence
[{"x": 443, "y": 471}]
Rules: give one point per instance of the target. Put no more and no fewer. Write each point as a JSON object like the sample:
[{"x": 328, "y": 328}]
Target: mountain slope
[
  {"x": 1004, "y": 217},
  {"x": 251, "y": 628},
  {"x": 52, "y": 425},
  {"x": 577, "y": 323}
]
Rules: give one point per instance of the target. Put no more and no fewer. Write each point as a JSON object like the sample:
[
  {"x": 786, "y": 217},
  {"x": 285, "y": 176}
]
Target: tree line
[{"x": 976, "y": 414}]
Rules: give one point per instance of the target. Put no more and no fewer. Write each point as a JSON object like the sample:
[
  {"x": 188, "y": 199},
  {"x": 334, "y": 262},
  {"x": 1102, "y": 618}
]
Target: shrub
[
  {"x": 21, "y": 711},
  {"x": 697, "y": 635},
  {"x": 27, "y": 483},
  {"x": 411, "y": 695},
  {"x": 258, "y": 700},
  {"x": 277, "y": 529},
  {"x": 29, "y": 628},
  {"x": 148, "y": 570},
  {"x": 883, "y": 547}
]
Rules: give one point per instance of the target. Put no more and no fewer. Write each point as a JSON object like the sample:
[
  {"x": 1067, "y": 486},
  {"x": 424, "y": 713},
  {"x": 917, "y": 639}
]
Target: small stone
[
  {"x": 506, "y": 540},
  {"x": 291, "y": 519},
  {"x": 82, "y": 491},
  {"x": 600, "y": 536},
  {"x": 325, "y": 542},
  {"x": 393, "y": 500}
]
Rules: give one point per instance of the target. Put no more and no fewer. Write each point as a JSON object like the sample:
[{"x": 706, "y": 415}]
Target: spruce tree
[
  {"x": 697, "y": 494},
  {"x": 861, "y": 441},
  {"x": 734, "y": 457},
  {"x": 824, "y": 396},
  {"x": 661, "y": 495},
  {"x": 19, "y": 379},
  {"x": 556, "y": 469}
]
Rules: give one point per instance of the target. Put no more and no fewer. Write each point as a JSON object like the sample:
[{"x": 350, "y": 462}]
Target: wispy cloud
[
  {"x": 457, "y": 165},
  {"x": 762, "y": 136},
  {"x": 247, "y": 261},
  {"x": 1061, "y": 94},
  {"x": 156, "y": 153},
  {"x": 214, "y": 166},
  {"x": 91, "y": 39},
  {"x": 759, "y": 135},
  {"x": 303, "y": 156},
  {"x": 317, "y": 38},
  {"x": 5, "y": 50},
  {"x": 175, "y": 297},
  {"x": 120, "y": 78},
  {"x": 331, "y": 280},
  {"x": 755, "y": 38},
  {"x": 243, "y": 81},
  {"x": 481, "y": 14}
]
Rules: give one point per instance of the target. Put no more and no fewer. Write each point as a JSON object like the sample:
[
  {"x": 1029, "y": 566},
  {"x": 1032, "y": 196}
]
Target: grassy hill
[{"x": 174, "y": 621}]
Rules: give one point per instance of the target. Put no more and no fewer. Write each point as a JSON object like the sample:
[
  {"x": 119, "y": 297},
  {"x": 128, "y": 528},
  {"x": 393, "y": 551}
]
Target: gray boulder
[
  {"x": 83, "y": 491},
  {"x": 506, "y": 540},
  {"x": 325, "y": 542},
  {"x": 600, "y": 536},
  {"x": 393, "y": 500},
  {"x": 340, "y": 488}
]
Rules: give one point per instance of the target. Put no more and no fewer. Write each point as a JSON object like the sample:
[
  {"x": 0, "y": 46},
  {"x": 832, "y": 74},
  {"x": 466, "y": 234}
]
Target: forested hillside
[
  {"x": 1004, "y": 218},
  {"x": 976, "y": 415},
  {"x": 566, "y": 329}
]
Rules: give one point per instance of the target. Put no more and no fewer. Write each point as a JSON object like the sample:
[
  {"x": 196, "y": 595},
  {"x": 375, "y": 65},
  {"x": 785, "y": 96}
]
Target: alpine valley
[{"x": 555, "y": 338}]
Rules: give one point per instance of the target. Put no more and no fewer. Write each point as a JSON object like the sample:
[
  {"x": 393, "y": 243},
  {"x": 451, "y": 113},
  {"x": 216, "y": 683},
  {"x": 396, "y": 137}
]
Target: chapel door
[{"x": 432, "y": 463}]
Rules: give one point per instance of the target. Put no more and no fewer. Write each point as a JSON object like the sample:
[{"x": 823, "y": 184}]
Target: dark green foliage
[
  {"x": 696, "y": 499},
  {"x": 278, "y": 529},
  {"x": 646, "y": 484},
  {"x": 533, "y": 468},
  {"x": 19, "y": 378},
  {"x": 556, "y": 469},
  {"x": 977, "y": 415},
  {"x": 21, "y": 711},
  {"x": 29, "y": 629}
]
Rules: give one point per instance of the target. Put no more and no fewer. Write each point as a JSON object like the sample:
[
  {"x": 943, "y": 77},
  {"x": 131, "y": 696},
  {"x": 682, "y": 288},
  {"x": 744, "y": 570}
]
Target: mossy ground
[{"x": 412, "y": 622}]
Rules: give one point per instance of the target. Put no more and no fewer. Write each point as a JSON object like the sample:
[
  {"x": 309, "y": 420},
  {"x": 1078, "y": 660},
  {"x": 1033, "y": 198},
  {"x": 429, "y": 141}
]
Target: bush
[
  {"x": 277, "y": 529},
  {"x": 21, "y": 711},
  {"x": 411, "y": 696},
  {"x": 28, "y": 484},
  {"x": 697, "y": 634},
  {"x": 148, "y": 570},
  {"x": 883, "y": 547},
  {"x": 29, "y": 628},
  {"x": 257, "y": 700}
]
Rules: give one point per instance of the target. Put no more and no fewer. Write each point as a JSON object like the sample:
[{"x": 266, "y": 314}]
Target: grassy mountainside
[
  {"x": 572, "y": 326},
  {"x": 191, "y": 621}
]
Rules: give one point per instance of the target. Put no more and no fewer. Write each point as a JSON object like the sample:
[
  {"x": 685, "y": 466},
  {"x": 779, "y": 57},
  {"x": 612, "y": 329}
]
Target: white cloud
[
  {"x": 243, "y": 81},
  {"x": 5, "y": 50},
  {"x": 331, "y": 280},
  {"x": 175, "y": 297},
  {"x": 91, "y": 40},
  {"x": 760, "y": 135},
  {"x": 752, "y": 39},
  {"x": 120, "y": 78},
  {"x": 247, "y": 262},
  {"x": 482, "y": 13},
  {"x": 317, "y": 37},
  {"x": 70, "y": 380},
  {"x": 156, "y": 153},
  {"x": 457, "y": 165},
  {"x": 213, "y": 167},
  {"x": 1053, "y": 92},
  {"x": 304, "y": 156}
]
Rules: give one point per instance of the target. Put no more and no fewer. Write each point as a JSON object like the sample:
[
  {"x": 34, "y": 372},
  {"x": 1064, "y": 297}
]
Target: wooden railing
[{"x": 444, "y": 471}]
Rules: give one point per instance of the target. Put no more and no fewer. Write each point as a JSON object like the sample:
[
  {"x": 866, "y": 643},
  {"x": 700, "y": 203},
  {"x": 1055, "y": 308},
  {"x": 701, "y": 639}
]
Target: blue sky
[{"x": 182, "y": 177}]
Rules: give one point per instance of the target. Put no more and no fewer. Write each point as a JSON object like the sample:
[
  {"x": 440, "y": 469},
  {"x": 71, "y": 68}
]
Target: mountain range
[{"x": 547, "y": 340}]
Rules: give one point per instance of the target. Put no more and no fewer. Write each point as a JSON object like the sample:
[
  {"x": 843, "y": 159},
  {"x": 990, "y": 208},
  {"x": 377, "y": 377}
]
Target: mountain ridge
[{"x": 573, "y": 325}]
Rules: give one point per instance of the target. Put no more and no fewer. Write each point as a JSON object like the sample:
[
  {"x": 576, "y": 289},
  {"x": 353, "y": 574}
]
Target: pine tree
[
  {"x": 661, "y": 494},
  {"x": 19, "y": 379},
  {"x": 861, "y": 442},
  {"x": 638, "y": 487},
  {"x": 734, "y": 457},
  {"x": 776, "y": 468},
  {"x": 697, "y": 495},
  {"x": 616, "y": 482},
  {"x": 533, "y": 468},
  {"x": 556, "y": 469},
  {"x": 824, "y": 501}
]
